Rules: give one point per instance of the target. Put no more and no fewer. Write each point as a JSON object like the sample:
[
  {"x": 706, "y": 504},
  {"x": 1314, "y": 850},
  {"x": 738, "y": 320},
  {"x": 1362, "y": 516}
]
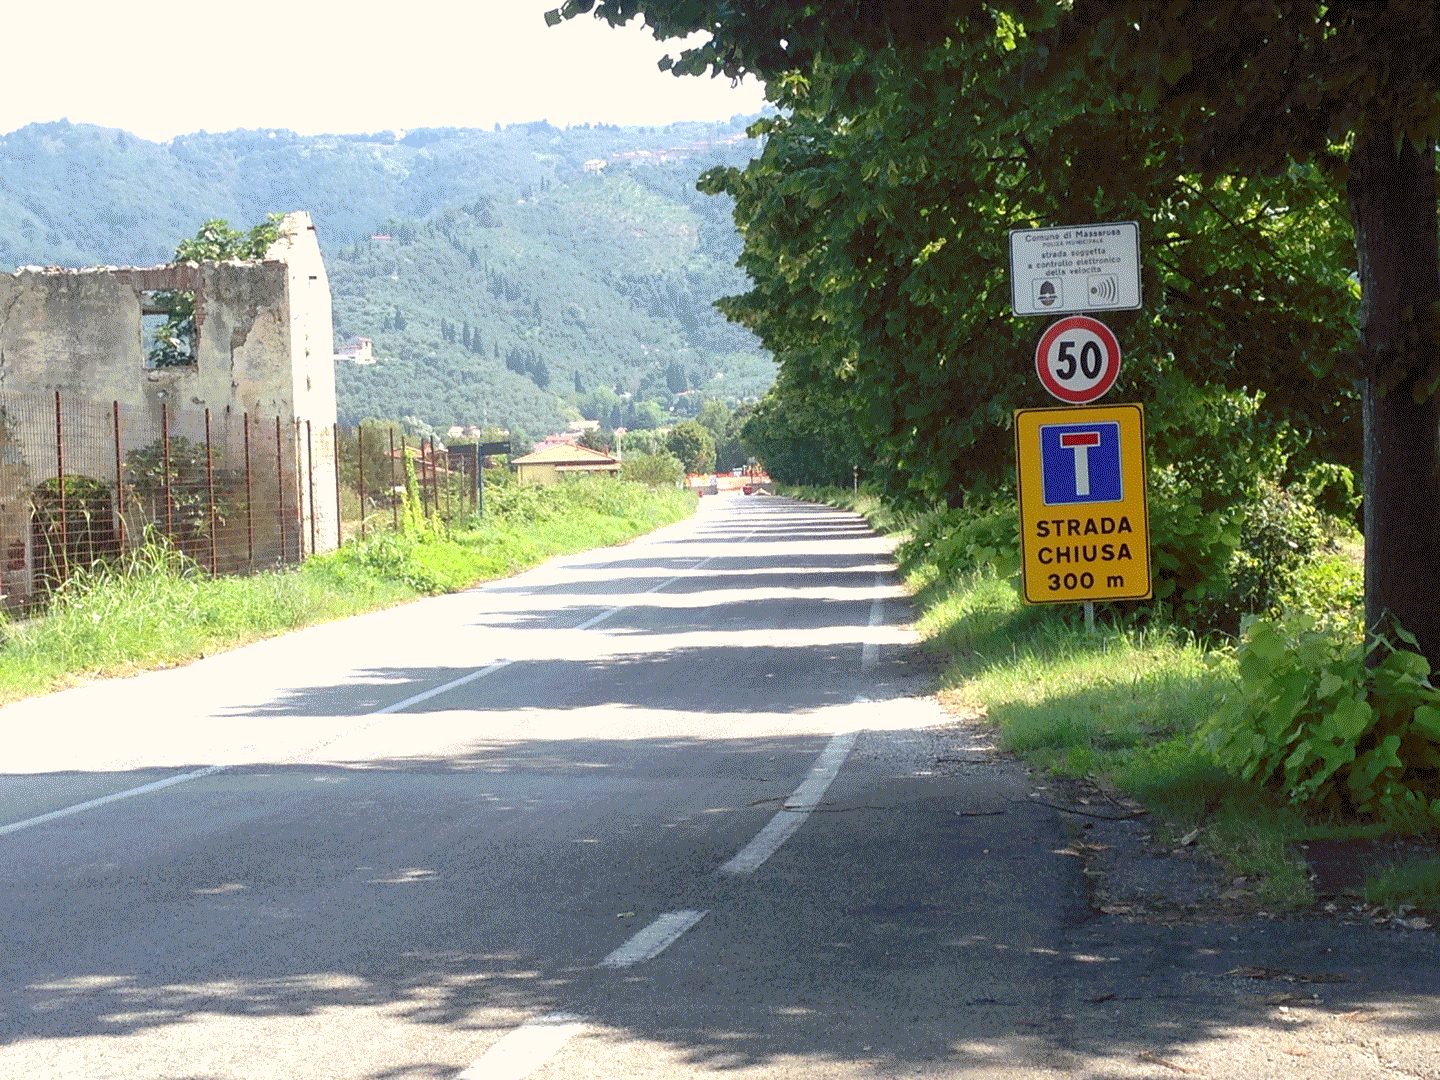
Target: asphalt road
[{"x": 667, "y": 810}]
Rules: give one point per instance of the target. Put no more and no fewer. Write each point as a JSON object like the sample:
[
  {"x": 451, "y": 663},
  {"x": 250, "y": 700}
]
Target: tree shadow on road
[{"x": 919, "y": 920}]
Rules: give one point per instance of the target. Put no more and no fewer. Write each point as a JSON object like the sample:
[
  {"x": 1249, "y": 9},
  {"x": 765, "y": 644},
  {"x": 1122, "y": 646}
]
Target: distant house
[
  {"x": 357, "y": 350},
  {"x": 427, "y": 457},
  {"x": 551, "y": 464},
  {"x": 563, "y": 438}
]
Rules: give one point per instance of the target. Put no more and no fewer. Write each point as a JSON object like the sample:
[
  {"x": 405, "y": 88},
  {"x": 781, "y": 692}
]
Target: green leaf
[{"x": 1427, "y": 722}]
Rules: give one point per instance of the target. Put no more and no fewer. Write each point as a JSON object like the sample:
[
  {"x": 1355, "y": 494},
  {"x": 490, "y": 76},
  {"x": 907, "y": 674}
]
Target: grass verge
[
  {"x": 156, "y": 610},
  {"x": 1120, "y": 708}
]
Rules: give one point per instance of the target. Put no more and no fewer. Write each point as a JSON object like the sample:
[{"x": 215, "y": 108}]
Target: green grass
[
  {"x": 155, "y": 610},
  {"x": 1119, "y": 707},
  {"x": 1415, "y": 884}
]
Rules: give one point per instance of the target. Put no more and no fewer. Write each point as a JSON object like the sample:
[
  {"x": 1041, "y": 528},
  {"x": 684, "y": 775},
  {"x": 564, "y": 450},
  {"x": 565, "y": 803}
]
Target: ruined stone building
[{"x": 116, "y": 416}]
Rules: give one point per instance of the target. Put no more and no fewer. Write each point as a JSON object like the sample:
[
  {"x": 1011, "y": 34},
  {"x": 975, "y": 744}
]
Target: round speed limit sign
[{"x": 1078, "y": 359}]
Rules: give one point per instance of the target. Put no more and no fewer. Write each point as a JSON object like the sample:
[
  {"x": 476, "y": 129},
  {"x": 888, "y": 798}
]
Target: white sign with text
[{"x": 1076, "y": 268}]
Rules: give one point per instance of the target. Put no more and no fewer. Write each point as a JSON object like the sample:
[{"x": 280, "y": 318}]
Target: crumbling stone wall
[{"x": 263, "y": 348}]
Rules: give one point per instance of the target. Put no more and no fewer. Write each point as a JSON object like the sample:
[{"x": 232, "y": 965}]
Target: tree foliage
[
  {"x": 1367, "y": 107},
  {"x": 1056, "y": 111},
  {"x": 215, "y": 241},
  {"x": 693, "y": 444},
  {"x": 876, "y": 244},
  {"x": 805, "y": 434}
]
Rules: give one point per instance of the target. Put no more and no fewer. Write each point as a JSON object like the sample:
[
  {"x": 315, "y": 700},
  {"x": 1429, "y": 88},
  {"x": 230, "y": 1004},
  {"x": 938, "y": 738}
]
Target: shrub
[
  {"x": 1211, "y": 566},
  {"x": 388, "y": 556},
  {"x": 1190, "y": 549},
  {"x": 1310, "y": 720},
  {"x": 1215, "y": 567},
  {"x": 982, "y": 535},
  {"x": 1280, "y": 532},
  {"x": 523, "y": 502},
  {"x": 657, "y": 470},
  {"x": 1331, "y": 590}
]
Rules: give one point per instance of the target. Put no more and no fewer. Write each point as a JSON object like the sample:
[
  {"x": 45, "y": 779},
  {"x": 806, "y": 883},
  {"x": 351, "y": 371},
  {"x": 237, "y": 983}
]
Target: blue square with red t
[{"x": 1080, "y": 462}]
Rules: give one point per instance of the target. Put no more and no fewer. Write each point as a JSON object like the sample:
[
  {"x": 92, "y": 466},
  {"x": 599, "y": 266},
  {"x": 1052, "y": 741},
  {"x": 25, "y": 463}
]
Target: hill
[{"x": 519, "y": 276}]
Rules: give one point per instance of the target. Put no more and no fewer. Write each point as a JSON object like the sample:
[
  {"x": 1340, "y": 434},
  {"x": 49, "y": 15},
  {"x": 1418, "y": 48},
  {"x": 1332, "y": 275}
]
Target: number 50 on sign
[{"x": 1077, "y": 359}]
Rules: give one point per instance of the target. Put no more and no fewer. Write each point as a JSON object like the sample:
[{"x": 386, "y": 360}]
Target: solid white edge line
[
  {"x": 806, "y": 797},
  {"x": 169, "y": 781},
  {"x": 654, "y": 939},
  {"x": 525, "y": 1049}
]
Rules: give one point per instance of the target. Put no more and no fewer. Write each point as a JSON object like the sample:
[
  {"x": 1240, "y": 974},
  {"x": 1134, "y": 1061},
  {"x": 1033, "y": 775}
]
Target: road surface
[{"x": 663, "y": 810}]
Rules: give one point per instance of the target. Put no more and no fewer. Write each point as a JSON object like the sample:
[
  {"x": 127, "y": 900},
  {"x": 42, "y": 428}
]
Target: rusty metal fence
[{"x": 83, "y": 482}]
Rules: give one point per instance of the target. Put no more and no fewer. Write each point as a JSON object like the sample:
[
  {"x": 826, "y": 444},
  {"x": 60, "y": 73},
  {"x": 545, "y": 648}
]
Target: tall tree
[
  {"x": 693, "y": 445},
  {"x": 1215, "y": 87},
  {"x": 1354, "y": 85}
]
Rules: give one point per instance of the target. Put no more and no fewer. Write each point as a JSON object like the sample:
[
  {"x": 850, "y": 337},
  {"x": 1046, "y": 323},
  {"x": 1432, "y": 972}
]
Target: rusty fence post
[
  {"x": 430, "y": 479},
  {"x": 280, "y": 493},
  {"x": 310, "y": 480},
  {"x": 60, "y": 479},
  {"x": 339, "y": 516},
  {"x": 298, "y": 474},
  {"x": 249, "y": 499},
  {"x": 210, "y": 494},
  {"x": 119, "y": 481},
  {"x": 165, "y": 474},
  {"x": 394, "y": 502},
  {"x": 360, "y": 463},
  {"x": 430, "y": 469},
  {"x": 434, "y": 479}
]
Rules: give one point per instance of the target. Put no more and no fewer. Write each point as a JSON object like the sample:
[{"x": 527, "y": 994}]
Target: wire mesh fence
[{"x": 82, "y": 482}]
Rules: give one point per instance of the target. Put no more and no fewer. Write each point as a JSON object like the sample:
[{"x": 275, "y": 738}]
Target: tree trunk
[{"x": 1393, "y": 206}]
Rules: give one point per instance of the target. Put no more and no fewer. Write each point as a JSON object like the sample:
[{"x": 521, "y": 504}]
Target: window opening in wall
[{"x": 167, "y": 328}]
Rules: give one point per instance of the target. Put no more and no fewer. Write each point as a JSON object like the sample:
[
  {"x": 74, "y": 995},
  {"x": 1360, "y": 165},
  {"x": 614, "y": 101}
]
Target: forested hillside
[{"x": 519, "y": 276}]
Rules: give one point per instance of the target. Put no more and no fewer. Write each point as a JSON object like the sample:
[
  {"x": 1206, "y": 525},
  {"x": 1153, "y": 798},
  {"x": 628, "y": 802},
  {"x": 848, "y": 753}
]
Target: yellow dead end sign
[{"x": 1084, "y": 525}]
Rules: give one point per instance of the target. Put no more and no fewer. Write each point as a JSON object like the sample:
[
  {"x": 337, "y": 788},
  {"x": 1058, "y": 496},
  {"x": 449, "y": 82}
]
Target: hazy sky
[{"x": 165, "y": 68}]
